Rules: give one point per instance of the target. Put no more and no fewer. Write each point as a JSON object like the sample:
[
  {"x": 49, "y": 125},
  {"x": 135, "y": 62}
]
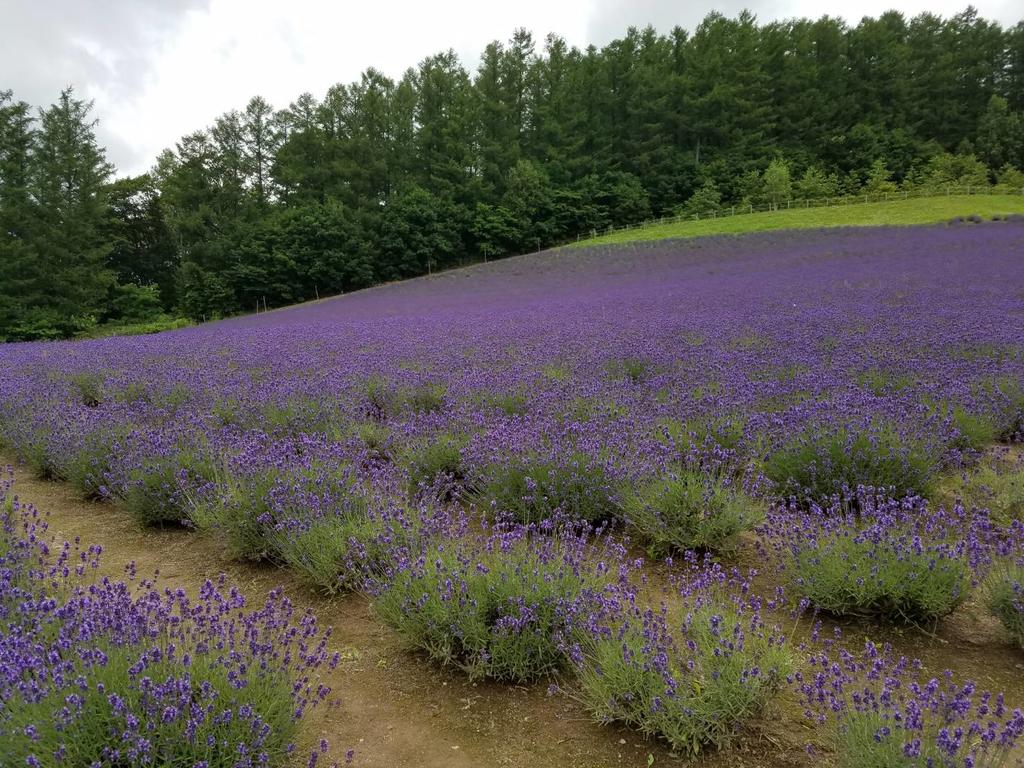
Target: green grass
[
  {"x": 925, "y": 210},
  {"x": 158, "y": 325},
  {"x": 693, "y": 510}
]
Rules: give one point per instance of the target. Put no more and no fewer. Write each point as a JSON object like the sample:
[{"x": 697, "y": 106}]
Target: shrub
[
  {"x": 691, "y": 510},
  {"x": 824, "y": 461},
  {"x": 88, "y": 387},
  {"x": 974, "y": 431},
  {"x": 155, "y": 490},
  {"x": 630, "y": 369},
  {"x": 33, "y": 439},
  {"x": 236, "y": 506},
  {"x": 338, "y": 552},
  {"x": 1004, "y": 598},
  {"x": 385, "y": 400},
  {"x": 888, "y": 558},
  {"x": 252, "y": 504},
  {"x": 426, "y": 398},
  {"x": 228, "y": 412},
  {"x": 504, "y": 607},
  {"x": 87, "y": 468},
  {"x": 702, "y": 437},
  {"x": 884, "y": 713},
  {"x": 134, "y": 393},
  {"x": 1009, "y": 392},
  {"x": 999, "y": 490},
  {"x": 158, "y": 325},
  {"x": 373, "y": 435},
  {"x": 881, "y": 382},
  {"x": 153, "y": 678},
  {"x": 435, "y": 464},
  {"x": 106, "y": 722},
  {"x": 508, "y": 403},
  {"x": 531, "y": 489},
  {"x": 689, "y": 676},
  {"x": 971, "y": 431},
  {"x": 298, "y": 414}
]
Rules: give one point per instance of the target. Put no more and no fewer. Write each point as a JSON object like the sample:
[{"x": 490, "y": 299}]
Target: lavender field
[{"x": 682, "y": 484}]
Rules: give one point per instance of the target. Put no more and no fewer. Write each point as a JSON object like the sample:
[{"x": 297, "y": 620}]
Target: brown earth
[{"x": 398, "y": 711}]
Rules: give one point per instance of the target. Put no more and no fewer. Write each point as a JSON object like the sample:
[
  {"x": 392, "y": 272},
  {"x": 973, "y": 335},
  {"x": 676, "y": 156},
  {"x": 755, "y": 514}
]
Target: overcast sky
[{"x": 158, "y": 69}]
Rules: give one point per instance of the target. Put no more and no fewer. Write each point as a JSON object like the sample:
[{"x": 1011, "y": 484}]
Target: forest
[{"x": 383, "y": 179}]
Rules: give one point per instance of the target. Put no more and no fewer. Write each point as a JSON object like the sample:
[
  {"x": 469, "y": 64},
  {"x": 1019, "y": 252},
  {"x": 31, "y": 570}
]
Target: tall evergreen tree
[
  {"x": 20, "y": 277},
  {"x": 67, "y": 182}
]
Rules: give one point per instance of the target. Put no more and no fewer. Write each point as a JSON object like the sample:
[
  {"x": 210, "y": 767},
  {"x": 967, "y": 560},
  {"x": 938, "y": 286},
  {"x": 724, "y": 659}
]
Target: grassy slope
[{"x": 927, "y": 210}]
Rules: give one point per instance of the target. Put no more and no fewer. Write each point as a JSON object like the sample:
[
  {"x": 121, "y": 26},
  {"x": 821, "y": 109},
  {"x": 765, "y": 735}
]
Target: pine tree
[
  {"x": 19, "y": 268},
  {"x": 68, "y": 177}
]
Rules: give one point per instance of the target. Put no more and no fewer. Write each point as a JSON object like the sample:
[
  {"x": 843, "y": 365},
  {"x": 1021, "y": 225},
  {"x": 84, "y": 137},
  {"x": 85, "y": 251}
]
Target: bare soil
[{"x": 396, "y": 710}]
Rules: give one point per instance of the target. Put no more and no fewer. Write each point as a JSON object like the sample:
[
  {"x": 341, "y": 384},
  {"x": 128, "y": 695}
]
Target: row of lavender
[
  {"x": 102, "y": 672},
  {"x": 812, "y": 387},
  {"x": 800, "y": 364}
]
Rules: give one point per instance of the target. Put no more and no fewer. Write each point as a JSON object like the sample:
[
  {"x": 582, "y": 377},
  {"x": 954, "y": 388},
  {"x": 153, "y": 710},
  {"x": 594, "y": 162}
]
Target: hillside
[{"x": 925, "y": 210}]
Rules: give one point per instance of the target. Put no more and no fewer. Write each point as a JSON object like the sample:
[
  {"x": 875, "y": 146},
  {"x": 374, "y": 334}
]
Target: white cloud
[
  {"x": 222, "y": 56},
  {"x": 159, "y": 69}
]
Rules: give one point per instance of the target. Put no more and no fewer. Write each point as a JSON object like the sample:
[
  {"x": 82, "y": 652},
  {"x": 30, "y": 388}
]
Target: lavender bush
[
  {"x": 504, "y": 606},
  {"x": 691, "y": 510},
  {"x": 1004, "y": 596},
  {"x": 1004, "y": 588},
  {"x": 532, "y": 489},
  {"x": 896, "y": 558},
  {"x": 995, "y": 486},
  {"x": 690, "y": 675},
  {"x": 826, "y": 460},
  {"x": 885, "y": 712},
  {"x": 102, "y": 672}
]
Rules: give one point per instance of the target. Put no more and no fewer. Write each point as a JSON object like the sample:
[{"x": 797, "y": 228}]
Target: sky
[{"x": 159, "y": 69}]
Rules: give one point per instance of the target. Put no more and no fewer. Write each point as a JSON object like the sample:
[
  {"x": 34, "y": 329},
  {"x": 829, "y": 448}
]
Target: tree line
[{"x": 383, "y": 179}]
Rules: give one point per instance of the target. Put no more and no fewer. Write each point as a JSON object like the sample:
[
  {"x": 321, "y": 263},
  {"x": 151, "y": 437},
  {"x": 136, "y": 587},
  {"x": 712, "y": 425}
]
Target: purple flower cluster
[
  {"x": 507, "y": 604},
  {"x": 95, "y": 671},
  {"x": 690, "y": 672},
  {"x": 886, "y": 710},
  {"x": 876, "y": 555},
  {"x": 1004, "y": 587}
]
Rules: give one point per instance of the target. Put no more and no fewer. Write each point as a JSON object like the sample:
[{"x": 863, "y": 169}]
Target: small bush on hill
[
  {"x": 505, "y": 607},
  {"x": 690, "y": 676},
  {"x": 531, "y": 489},
  {"x": 691, "y": 510},
  {"x": 825, "y": 460}
]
